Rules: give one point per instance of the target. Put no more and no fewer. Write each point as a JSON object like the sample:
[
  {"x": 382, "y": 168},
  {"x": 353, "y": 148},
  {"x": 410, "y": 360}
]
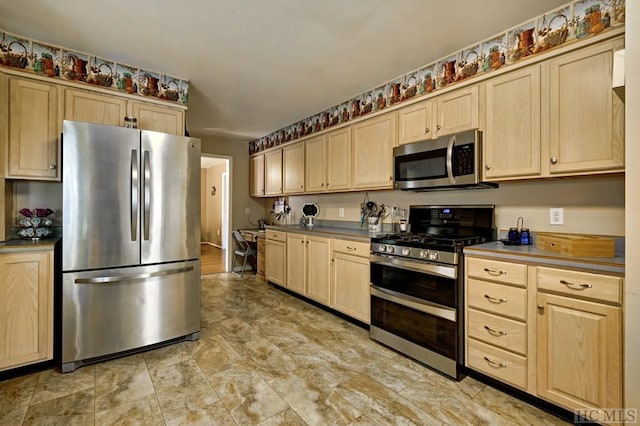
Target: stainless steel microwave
[{"x": 449, "y": 162}]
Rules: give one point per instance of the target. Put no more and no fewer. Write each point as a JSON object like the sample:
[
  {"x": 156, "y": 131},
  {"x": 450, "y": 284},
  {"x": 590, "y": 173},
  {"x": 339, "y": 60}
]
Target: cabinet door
[
  {"x": 338, "y": 150},
  {"x": 26, "y": 308},
  {"x": 33, "y": 130},
  {"x": 273, "y": 172},
  {"x": 256, "y": 176},
  {"x": 275, "y": 262},
  {"x": 296, "y": 265},
  {"x": 293, "y": 169},
  {"x": 97, "y": 108},
  {"x": 414, "y": 122},
  {"x": 159, "y": 118},
  {"x": 579, "y": 352},
  {"x": 318, "y": 270},
  {"x": 350, "y": 286},
  {"x": 586, "y": 118},
  {"x": 456, "y": 111},
  {"x": 315, "y": 164},
  {"x": 511, "y": 137},
  {"x": 373, "y": 142}
]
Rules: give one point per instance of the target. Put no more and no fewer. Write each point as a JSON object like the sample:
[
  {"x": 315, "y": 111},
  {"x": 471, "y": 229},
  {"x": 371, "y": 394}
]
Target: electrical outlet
[
  {"x": 341, "y": 212},
  {"x": 247, "y": 211},
  {"x": 556, "y": 216}
]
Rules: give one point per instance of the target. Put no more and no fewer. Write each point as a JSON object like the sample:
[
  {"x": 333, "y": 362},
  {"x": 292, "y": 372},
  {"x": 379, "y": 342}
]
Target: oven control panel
[{"x": 398, "y": 251}]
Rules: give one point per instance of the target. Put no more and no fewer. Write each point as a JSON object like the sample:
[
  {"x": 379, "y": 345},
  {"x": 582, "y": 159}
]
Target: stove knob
[
  {"x": 433, "y": 255},
  {"x": 382, "y": 248},
  {"x": 390, "y": 249},
  {"x": 424, "y": 254},
  {"x": 406, "y": 251}
]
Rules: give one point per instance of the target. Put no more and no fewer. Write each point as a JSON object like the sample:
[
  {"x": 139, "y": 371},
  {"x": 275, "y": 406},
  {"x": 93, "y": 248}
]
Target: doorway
[{"x": 214, "y": 213}]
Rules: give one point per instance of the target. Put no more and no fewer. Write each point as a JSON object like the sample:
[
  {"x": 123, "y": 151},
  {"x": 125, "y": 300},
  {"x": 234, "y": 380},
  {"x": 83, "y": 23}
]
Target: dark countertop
[
  {"x": 531, "y": 254},
  {"x": 350, "y": 233},
  {"x": 27, "y": 245}
]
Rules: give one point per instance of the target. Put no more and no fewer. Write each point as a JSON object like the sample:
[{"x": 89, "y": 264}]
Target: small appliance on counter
[{"x": 309, "y": 211}]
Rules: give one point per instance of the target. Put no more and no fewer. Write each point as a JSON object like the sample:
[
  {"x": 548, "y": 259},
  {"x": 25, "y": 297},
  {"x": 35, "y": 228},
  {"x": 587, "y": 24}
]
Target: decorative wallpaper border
[
  {"x": 59, "y": 62},
  {"x": 573, "y": 21}
]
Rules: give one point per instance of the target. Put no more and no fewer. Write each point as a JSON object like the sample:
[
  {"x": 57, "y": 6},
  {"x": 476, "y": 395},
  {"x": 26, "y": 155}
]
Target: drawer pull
[
  {"x": 495, "y": 332},
  {"x": 495, "y": 299},
  {"x": 575, "y": 286},
  {"x": 495, "y": 364},
  {"x": 495, "y": 272},
  {"x": 351, "y": 248}
]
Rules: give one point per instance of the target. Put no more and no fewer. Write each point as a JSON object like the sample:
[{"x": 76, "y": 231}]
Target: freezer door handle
[
  {"x": 133, "y": 277},
  {"x": 134, "y": 195},
  {"x": 147, "y": 193}
]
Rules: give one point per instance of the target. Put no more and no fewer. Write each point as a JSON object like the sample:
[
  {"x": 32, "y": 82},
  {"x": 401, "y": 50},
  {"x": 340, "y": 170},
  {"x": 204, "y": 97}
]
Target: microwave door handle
[{"x": 452, "y": 142}]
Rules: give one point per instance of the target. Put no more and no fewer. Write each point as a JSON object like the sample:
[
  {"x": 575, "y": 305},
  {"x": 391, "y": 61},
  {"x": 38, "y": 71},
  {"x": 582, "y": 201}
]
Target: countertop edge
[
  {"x": 17, "y": 245},
  {"x": 362, "y": 235},
  {"x": 533, "y": 255}
]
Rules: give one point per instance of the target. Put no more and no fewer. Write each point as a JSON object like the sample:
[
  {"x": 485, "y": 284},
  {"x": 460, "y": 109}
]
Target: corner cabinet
[
  {"x": 33, "y": 130},
  {"x": 584, "y": 115},
  {"x": 372, "y": 161},
  {"x": 26, "y": 308}
]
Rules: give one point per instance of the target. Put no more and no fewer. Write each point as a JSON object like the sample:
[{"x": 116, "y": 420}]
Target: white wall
[
  {"x": 632, "y": 155},
  {"x": 591, "y": 205}
]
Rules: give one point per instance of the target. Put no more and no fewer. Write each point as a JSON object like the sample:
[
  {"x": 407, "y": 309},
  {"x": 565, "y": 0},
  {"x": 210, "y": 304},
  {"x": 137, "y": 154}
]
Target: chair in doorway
[{"x": 242, "y": 249}]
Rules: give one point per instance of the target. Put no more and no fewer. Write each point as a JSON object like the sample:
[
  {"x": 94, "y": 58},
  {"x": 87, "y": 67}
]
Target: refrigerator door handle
[
  {"x": 147, "y": 193},
  {"x": 134, "y": 195},
  {"x": 134, "y": 277}
]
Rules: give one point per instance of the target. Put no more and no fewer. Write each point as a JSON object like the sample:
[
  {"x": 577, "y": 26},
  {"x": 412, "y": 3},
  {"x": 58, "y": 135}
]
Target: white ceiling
[{"x": 258, "y": 65}]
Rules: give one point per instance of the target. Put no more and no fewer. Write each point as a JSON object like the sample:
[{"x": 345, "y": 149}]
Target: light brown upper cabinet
[
  {"x": 159, "y": 118},
  {"x": 328, "y": 161},
  {"x": 449, "y": 113},
  {"x": 83, "y": 105},
  {"x": 585, "y": 117},
  {"x": 33, "y": 129},
  {"x": 511, "y": 136},
  {"x": 256, "y": 176},
  {"x": 273, "y": 172},
  {"x": 373, "y": 142},
  {"x": 293, "y": 168}
]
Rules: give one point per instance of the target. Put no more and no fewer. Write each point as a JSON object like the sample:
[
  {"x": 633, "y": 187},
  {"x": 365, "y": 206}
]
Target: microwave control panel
[{"x": 463, "y": 160}]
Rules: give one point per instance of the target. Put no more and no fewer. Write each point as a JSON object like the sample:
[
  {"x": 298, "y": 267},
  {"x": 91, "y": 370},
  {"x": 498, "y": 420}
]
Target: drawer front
[
  {"x": 502, "y": 365},
  {"x": 581, "y": 284},
  {"x": 499, "y": 331},
  {"x": 276, "y": 235},
  {"x": 494, "y": 270},
  {"x": 351, "y": 247},
  {"x": 499, "y": 299}
]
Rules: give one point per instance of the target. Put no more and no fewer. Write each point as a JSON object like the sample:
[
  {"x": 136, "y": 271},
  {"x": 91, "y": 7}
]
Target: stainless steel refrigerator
[{"x": 130, "y": 241}]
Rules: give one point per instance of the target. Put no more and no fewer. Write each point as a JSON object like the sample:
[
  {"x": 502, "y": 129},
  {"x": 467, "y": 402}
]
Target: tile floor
[{"x": 265, "y": 358}]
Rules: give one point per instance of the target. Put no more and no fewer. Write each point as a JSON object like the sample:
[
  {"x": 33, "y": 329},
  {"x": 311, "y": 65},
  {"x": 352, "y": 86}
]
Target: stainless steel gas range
[{"x": 417, "y": 283}]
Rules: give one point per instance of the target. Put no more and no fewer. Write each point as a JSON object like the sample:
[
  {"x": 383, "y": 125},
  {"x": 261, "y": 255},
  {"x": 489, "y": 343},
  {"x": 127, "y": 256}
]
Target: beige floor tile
[
  {"x": 18, "y": 392},
  {"x": 143, "y": 411},
  {"x": 287, "y": 417},
  {"x": 52, "y": 384},
  {"x": 73, "y": 409},
  {"x": 214, "y": 414},
  {"x": 121, "y": 381}
]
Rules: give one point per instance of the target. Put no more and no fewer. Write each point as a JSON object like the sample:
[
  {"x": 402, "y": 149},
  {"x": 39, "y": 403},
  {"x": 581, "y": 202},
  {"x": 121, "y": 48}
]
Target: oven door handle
[
  {"x": 429, "y": 268},
  {"x": 449, "y": 314}
]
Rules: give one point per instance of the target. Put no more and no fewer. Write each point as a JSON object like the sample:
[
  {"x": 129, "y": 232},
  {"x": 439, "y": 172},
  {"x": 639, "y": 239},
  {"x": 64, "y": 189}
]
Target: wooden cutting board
[{"x": 576, "y": 245}]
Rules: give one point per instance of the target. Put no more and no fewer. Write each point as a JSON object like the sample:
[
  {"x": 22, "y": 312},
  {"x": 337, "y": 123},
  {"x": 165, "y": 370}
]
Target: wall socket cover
[{"x": 556, "y": 216}]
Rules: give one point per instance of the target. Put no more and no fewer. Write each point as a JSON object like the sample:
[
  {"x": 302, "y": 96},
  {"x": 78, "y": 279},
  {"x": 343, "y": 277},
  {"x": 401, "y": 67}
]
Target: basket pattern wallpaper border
[{"x": 573, "y": 21}]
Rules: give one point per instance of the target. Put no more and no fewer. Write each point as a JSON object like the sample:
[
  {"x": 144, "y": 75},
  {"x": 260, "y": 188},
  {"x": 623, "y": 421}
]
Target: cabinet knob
[
  {"x": 322, "y": 184},
  {"x": 390, "y": 177},
  {"x": 427, "y": 130},
  {"x": 301, "y": 186},
  {"x": 438, "y": 127},
  {"x": 554, "y": 160},
  {"x": 52, "y": 166},
  {"x": 541, "y": 309},
  {"x": 487, "y": 166},
  {"x": 327, "y": 184}
]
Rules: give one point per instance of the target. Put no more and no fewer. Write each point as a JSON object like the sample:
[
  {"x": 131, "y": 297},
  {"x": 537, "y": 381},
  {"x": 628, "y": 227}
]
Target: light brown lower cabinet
[
  {"x": 26, "y": 308},
  {"x": 275, "y": 257},
  {"x": 350, "y": 279},
  {"x": 561, "y": 340}
]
